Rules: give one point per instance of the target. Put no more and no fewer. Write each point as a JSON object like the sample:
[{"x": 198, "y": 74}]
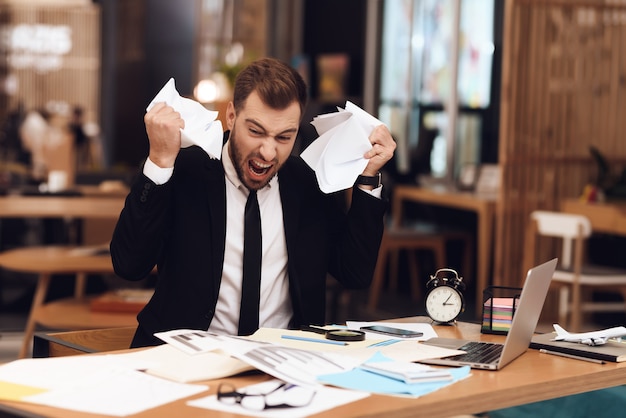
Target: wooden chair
[
  {"x": 70, "y": 313},
  {"x": 574, "y": 273}
]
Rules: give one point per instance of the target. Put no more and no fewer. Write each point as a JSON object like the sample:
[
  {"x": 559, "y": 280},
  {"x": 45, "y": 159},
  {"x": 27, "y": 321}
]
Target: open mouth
[{"x": 257, "y": 168}]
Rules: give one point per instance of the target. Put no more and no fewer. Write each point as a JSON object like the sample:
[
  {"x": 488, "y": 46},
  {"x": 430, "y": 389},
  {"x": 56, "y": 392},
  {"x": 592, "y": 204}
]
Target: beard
[{"x": 241, "y": 165}]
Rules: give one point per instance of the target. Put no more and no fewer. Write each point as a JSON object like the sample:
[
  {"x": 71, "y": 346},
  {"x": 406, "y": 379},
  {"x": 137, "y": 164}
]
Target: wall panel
[{"x": 563, "y": 89}]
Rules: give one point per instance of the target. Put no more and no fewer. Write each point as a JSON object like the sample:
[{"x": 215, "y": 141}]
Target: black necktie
[{"x": 250, "y": 287}]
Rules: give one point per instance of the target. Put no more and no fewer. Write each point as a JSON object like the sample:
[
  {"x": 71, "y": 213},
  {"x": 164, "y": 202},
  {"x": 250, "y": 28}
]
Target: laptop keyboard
[{"x": 477, "y": 352}]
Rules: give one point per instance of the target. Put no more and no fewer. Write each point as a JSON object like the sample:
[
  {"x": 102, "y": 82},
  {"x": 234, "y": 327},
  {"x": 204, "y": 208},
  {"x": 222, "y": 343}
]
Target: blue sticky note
[{"x": 363, "y": 380}]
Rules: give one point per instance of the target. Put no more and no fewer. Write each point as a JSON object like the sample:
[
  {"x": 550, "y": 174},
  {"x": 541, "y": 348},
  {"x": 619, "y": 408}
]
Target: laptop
[{"x": 494, "y": 356}]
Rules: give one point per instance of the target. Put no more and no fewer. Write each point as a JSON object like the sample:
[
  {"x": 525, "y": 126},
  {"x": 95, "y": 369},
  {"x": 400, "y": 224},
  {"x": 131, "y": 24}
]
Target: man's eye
[
  {"x": 283, "y": 138},
  {"x": 254, "y": 131}
]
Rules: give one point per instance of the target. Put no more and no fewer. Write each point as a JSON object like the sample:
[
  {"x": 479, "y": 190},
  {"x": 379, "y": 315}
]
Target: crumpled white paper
[
  {"x": 336, "y": 155},
  {"x": 202, "y": 128}
]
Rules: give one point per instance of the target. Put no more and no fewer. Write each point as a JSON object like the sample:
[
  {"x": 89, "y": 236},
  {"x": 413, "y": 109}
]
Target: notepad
[{"x": 407, "y": 372}]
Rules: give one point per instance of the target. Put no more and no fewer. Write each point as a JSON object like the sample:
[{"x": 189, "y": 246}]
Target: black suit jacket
[{"x": 181, "y": 227}]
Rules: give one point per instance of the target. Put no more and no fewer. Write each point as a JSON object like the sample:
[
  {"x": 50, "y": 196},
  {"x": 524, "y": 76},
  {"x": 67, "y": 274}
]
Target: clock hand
[{"x": 445, "y": 302}]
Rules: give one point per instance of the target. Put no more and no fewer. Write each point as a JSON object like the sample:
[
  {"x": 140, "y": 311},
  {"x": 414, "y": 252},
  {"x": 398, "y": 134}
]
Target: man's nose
[{"x": 268, "y": 148}]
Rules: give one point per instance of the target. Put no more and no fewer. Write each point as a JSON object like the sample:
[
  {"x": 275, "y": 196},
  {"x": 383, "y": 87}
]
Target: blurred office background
[{"x": 525, "y": 86}]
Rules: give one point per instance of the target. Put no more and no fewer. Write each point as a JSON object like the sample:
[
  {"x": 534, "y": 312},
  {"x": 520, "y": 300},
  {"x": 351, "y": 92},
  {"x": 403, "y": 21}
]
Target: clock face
[{"x": 444, "y": 304}]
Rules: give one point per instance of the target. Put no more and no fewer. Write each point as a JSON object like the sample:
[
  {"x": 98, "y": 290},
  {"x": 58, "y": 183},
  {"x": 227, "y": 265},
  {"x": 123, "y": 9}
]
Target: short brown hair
[{"x": 277, "y": 84}]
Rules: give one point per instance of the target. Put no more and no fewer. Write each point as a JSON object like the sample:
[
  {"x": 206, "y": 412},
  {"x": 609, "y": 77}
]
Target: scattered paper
[
  {"x": 336, "y": 155},
  {"x": 363, "y": 380},
  {"x": 191, "y": 341},
  {"x": 325, "y": 398},
  {"x": 292, "y": 365},
  {"x": 170, "y": 363},
  {"x": 17, "y": 392},
  {"x": 407, "y": 372},
  {"x": 101, "y": 384},
  {"x": 202, "y": 128}
]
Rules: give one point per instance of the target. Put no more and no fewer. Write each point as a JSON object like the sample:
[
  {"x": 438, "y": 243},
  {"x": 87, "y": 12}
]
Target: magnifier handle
[{"x": 313, "y": 328}]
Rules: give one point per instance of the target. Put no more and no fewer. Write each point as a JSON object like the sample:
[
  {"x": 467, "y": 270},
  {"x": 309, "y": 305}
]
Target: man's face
[{"x": 261, "y": 139}]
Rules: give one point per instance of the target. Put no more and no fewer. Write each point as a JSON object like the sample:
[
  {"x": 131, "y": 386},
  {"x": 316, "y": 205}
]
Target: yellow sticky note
[{"x": 16, "y": 392}]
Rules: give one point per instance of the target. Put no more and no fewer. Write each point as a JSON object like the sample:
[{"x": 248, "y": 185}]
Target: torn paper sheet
[
  {"x": 336, "y": 155},
  {"x": 202, "y": 128}
]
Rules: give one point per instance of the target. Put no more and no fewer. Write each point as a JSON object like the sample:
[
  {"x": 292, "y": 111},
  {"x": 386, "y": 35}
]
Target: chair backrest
[{"x": 566, "y": 226}]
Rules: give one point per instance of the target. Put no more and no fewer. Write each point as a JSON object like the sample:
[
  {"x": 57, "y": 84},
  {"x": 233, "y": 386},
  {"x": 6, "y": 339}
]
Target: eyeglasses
[{"x": 283, "y": 396}]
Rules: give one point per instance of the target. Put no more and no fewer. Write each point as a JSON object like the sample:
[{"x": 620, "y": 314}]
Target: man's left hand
[{"x": 383, "y": 147}]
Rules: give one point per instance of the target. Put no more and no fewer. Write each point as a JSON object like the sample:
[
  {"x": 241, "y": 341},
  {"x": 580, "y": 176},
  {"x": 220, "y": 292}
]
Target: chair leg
[
  {"x": 563, "y": 305},
  {"x": 467, "y": 258},
  {"x": 414, "y": 276},
  {"x": 40, "y": 293},
  {"x": 377, "y": 281},
  {"x": 439, "y": 250},
  {"x": 79, "y": 287},
  {"x": 576, "y": 308},
  {"x": 394, "y": 257}
]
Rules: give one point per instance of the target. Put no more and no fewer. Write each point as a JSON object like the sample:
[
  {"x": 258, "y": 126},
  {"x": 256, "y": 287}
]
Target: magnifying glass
[{"x": 337, "y": 334}]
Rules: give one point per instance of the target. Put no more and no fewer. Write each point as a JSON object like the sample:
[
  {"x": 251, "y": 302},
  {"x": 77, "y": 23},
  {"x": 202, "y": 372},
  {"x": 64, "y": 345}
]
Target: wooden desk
[
  {"x": 483, "y": 205},
  {"x": 70, "y": 343},
  {"x": 608, "y": 218},
  {"x": 530, "y": 378}
]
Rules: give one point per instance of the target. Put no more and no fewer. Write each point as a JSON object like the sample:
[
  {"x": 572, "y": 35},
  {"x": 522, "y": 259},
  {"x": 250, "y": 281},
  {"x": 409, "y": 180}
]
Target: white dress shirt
[{"x": 275, "y": 310}]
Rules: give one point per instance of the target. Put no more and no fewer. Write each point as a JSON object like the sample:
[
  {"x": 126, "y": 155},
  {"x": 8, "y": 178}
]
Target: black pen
[{"x": 572, "y": 356}]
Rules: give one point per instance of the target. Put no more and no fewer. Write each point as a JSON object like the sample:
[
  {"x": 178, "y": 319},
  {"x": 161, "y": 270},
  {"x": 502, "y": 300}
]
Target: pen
[
  {"x": 312, "y": 340},
  {"x": 383, "y": 343},
  {"x": 556, "y": 353}
]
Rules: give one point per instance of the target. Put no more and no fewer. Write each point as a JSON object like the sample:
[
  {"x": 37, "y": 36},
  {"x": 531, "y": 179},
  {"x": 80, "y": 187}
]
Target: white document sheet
[
  {"x": 202, "y": 127},
  {"x": 336, "y": 155},
  {"x": 325, "y": 398},
  {"x": 100, "y": 384}
]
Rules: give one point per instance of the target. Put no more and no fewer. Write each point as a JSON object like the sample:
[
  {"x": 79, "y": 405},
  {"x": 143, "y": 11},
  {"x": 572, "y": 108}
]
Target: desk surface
[{"x": 530, "y": 378}]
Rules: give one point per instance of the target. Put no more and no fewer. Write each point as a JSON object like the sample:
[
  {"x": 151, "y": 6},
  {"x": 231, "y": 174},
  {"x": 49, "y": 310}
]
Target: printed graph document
[
  {"x": 336, "y": 155},
  {"x": 398, "y": 349},
  {"x": 298, "y": 362},
  {"x": 291, "y": 365}
]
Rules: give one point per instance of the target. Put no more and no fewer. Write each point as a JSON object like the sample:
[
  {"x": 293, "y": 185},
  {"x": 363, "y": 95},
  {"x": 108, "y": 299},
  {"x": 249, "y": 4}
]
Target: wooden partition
[
  {"x": 50, "y": 63},
  {"x": 51, "y": 53},
  {"x": 563, "y": 89}
]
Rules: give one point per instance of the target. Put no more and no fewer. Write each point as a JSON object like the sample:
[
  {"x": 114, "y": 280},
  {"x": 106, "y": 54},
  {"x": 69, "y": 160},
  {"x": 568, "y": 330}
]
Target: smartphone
[{"x": 393, "y": 332}]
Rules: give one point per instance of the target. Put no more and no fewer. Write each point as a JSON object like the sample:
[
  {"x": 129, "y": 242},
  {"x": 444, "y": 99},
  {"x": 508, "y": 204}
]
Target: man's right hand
[{"x": 163, "y": 125}]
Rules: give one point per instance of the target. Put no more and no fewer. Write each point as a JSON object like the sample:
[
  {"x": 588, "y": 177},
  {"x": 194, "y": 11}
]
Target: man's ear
[{"x": 230, "y": 115}]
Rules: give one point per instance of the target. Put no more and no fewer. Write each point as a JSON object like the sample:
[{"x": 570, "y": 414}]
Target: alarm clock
[{"x": 444, "y": 296}]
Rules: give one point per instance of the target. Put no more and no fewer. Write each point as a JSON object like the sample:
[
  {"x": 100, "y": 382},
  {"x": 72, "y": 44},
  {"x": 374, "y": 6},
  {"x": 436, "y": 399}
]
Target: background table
[
  {"x": 484, "y": 207},
  {"x": 606, "y": 217}
]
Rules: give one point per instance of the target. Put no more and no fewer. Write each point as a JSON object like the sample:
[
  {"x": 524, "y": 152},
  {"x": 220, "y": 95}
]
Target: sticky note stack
[{"x": 498, "y": 314}]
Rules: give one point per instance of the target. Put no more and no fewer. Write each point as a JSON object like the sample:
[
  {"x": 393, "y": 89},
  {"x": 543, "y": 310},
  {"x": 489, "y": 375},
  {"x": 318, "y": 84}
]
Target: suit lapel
[
  {"x": 216, "y": 190},
  {"x": 289, "y": 192}
]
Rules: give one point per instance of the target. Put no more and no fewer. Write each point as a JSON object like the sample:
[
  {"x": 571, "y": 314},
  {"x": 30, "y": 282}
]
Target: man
[{"x": 185, "y": 214}]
